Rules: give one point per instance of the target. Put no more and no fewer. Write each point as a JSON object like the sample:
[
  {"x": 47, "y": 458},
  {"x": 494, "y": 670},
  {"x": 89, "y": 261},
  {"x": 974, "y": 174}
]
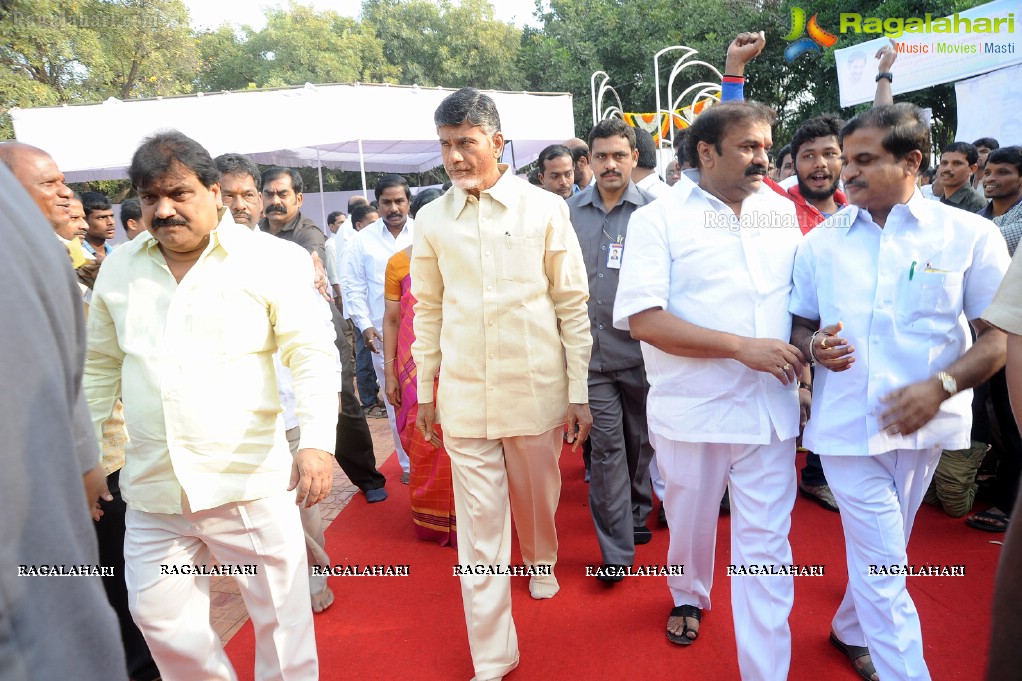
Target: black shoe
[
  {"x": 643, "y": 535},
  {"x": 611, "y": 574},
  {"x": 661, "y": 517},
  {"x": 375, "y": 495}
]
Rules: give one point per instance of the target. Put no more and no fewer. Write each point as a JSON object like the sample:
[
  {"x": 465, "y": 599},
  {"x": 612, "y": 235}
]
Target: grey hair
[{"x": 468, "y": 105}]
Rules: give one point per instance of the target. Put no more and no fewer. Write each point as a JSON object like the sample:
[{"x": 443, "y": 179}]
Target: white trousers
[
  {"x": 487, "y": 475},
  {"x": 402, "y": 456},
  {"x": 172, "y": 610},
  {"x": 879, "y": 496},
  {"x": 656, "y": 480},
  {"x": 762, "y": 479}
]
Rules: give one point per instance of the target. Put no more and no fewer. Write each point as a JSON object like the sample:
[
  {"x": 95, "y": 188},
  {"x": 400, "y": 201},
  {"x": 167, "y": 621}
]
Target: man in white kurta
[
  {"x": 183, "y": 326},
  {"x": 705, "y": 285},
  {"x": 892, "y": 278},
  {"x": 362, "y": 280}
]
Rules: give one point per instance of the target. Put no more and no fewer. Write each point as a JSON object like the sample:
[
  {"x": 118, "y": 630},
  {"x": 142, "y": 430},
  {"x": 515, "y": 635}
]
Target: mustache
[
  {"x": 860, "y": 184},
  {"x": 275, "y": 208},
  {"x": 756, "y": 169},
  {"x": 169, "y": 222},
  {"x": 610, "y": 173}
]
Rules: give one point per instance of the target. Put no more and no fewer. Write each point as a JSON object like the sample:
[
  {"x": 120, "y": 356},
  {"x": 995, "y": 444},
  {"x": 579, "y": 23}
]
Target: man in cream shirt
[
  {"x": 501, "y": 289},
  {"x": 184, "y": 324}
]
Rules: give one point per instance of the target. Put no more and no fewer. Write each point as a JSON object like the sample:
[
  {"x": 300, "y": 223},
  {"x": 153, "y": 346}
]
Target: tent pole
[
  {"x": 322, "y": 195},
  {"x": 362, "y": 167}
]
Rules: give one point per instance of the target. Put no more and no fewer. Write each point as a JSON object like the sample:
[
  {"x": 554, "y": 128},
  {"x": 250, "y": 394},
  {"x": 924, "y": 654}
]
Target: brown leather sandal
[{"x": 853, "y": 653}]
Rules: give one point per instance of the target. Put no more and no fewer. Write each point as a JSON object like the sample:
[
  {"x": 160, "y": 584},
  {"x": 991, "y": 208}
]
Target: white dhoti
[
  {"x": 381, "y": 378},
  {"x": 312, "y": 524}
]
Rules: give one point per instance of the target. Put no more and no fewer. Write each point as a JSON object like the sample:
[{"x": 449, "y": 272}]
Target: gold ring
[
  {"x": 823, "y": 344},
  {"x": 787, "y": 366}
]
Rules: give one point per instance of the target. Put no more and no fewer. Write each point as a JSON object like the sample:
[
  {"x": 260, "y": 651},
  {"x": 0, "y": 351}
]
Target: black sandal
[
  {"x": 989, "y": 522},
  {"x": 684, "y": 611}
]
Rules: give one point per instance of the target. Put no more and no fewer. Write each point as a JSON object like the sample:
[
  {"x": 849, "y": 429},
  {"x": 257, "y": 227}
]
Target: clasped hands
[{"x": 907, "y": 409}]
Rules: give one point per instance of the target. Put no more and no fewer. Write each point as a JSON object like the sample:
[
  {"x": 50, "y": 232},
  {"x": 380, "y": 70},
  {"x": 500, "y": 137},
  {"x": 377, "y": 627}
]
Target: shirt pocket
[
  {"x": 933, "y": 297},
  {"x": 230, "y": 323},
  {"x": 521, "y": 258}
]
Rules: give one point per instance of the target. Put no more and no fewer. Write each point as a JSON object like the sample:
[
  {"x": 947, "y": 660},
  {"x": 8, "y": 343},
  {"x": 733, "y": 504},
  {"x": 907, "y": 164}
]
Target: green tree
[
  {"x": 147, "y": 49},
  {"x": 446, "y": 44},
  {"x": 298, "y": 45},
  {"x": 74, "y": 51},
  {"x": 579, "y": 37}
]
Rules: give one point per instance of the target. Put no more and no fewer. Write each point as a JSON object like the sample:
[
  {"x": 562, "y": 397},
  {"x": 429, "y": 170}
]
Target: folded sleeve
[
  {"x": 645, "y": 279},
  {"x": 1006, "y": 311},
  {"x": 804, "y": 299}
]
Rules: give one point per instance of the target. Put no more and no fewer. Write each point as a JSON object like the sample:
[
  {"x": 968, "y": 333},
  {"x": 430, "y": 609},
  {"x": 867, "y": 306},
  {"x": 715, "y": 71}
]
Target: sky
[{"x": 207, "y": 14}]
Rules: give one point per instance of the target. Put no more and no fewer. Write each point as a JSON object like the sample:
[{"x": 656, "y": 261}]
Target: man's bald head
[{"x": 39, "y": 175}]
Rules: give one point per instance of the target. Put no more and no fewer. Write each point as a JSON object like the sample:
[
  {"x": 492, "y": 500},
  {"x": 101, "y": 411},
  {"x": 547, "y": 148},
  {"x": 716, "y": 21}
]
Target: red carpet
[{"x": 412, "y": 628}]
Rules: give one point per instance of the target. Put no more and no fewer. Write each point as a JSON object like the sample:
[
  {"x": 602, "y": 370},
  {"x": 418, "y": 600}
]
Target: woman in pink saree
[{"x": 431, "y": 487}]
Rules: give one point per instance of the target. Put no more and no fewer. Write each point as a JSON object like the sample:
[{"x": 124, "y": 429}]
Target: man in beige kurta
[{"x": 501, "y": 289}]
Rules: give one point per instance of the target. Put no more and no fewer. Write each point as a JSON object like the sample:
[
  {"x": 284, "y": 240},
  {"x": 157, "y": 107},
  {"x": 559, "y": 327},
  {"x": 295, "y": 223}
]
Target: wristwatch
[
  {"x": 948, "y": 382},
  {"x": 885, "y": 74}
]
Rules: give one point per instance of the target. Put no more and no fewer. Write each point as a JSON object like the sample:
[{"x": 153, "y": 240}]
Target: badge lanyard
[{"x": 615, "y": 250}]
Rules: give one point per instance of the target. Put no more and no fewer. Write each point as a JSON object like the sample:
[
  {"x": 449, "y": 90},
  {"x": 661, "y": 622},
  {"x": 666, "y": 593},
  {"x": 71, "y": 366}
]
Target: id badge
[{"x": 614, "y": 253}]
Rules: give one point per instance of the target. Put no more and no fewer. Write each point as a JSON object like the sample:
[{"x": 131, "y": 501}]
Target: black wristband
[
  {"x": 731, "y": 75},
  {"x": 807, "y": 386},
  {"x": 885, "y": 74}
]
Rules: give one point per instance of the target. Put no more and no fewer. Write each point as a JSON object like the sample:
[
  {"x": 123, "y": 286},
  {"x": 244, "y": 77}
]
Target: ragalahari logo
[{"x": 816, "y": 41}]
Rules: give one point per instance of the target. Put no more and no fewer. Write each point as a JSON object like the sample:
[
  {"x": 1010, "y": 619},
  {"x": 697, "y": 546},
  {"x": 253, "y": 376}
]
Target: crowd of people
[{"x": 689, "y": 335}]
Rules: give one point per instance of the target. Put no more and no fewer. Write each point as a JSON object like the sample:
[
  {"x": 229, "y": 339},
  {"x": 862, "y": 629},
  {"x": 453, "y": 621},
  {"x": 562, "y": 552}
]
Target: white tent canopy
[{"x": 386, "y": 127}]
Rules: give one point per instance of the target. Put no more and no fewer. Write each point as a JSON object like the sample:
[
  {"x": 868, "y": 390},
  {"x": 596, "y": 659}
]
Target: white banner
[
  {"x": 991, "y": 106},
  {"x": 962, "y": 45}
]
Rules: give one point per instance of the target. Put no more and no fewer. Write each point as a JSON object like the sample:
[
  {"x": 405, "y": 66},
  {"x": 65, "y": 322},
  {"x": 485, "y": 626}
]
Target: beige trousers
[{"x": 492, "y": 479}]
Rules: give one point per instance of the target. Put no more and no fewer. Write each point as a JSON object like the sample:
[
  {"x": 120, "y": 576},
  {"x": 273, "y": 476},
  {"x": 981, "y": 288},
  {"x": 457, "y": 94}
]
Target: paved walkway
[{"x": 227, "y": 610}]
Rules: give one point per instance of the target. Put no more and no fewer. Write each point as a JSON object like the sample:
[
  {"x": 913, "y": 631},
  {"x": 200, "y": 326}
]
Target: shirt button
[
  {"x": 489, "y": 323},
  {"x": 489, "y": 288},
  {"x": 603, "y": 247},
  {"x": 599, "y": 302},
  {"x": 601, "y": 326},
  {"x": 600, "y": 275},
  {"x": 491, "y": 356},
  {"x": 487, "y": 253}
]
